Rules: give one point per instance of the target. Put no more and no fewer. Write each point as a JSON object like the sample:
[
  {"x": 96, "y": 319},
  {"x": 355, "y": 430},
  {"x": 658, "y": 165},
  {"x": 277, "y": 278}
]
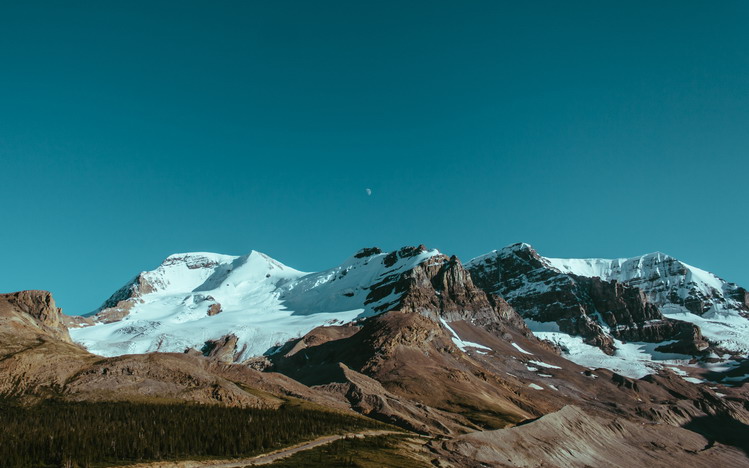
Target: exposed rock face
[
  {"x": 367, "y": 252},
  {"x": 452, "y": 360},
  {"x": 441, "y": 288},
  {"x": 631, "y": 317},
  {"x": 404, "y": 368},
  {"x": 317, "y": 337},
  {"x": 76, "y": 321},
  {"x": 266, "y": 304},
  {"x": 666, "y": 281},
  {"x": 742, "y": 296},
  {"x": 40, "y": 308},
  {"x": 224, "y": 349},
  {"x": 119, "y": 304},
  {"x": 595, "y": 309},
  {"x": 36, "y": 354},
  {"x": 214, "y": 309}
]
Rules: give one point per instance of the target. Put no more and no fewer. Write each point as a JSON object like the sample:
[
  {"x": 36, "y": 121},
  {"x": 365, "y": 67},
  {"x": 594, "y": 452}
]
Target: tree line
[{"x": 83, "y": 435}]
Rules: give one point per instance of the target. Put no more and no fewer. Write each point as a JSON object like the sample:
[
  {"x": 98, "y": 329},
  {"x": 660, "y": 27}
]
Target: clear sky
[{"x": 131, "y": 130}]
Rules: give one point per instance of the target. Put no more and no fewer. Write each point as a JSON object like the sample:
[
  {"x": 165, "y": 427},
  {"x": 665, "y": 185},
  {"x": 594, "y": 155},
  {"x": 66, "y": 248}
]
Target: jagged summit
[
  {"x": 194, "y": 298},
  {"x": 586, "y": 306},
  {"x": 512, "y": 248},
  {"x": 645, "y": 308},
  {"x": 666, "y": 280}
]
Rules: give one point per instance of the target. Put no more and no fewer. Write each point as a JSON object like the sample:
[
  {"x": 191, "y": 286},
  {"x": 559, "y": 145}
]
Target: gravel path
[{"x": 264, "y": 459}]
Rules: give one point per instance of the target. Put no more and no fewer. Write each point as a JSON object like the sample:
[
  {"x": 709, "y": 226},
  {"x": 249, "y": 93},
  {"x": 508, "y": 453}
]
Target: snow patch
[
  {"x": 517, "y": 346},
  {"x": 634, "y": 360},
  {"x": 693, "y": 380},
  {"x": 543, "y": 364},
  {"x": 462, "y": 344}
]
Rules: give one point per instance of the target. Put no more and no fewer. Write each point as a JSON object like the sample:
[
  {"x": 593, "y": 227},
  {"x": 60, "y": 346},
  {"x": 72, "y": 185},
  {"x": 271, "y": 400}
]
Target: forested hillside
[{"x": 54, "y": 434}]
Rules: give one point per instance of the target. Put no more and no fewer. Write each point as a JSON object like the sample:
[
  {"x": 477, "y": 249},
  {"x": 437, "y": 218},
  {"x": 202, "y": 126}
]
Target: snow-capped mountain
[
  {"x": 643, "y": 308},
  {"x": 681, "y": 291},
  {"x": 629, "y": 315},
  {"x": 432, "y": 353},
  {"x": 665, "y": 280},
  {"x": 195, "y": 298}
]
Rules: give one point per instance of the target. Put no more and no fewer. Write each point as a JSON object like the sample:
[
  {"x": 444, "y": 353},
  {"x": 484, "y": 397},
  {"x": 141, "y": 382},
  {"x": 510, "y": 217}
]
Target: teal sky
[{"x": 133, "y": 130}]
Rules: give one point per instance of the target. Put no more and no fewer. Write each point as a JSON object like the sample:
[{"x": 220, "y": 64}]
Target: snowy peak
[
  {"x": 194, "y": 298},
  {"x": 195, "y": 260},
  {"x": 249, "y": 269},
  {"x": 201, "y": 271},
  {"x": 519, "y": 249},
  {"x": 653, "y": 298},
  {"x": 183, "y": 272},
  {"x": 665, "y": 280},
  {"x": 355, "y": 283}
]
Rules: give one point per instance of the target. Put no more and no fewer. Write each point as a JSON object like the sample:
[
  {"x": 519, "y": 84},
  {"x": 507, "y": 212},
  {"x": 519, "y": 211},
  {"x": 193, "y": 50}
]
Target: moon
[{"x": 369, "y": 191}]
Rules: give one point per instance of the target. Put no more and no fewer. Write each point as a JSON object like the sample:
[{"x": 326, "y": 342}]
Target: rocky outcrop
[
  {"x": 590, "y": 307},
  {"x": 119, "y": 304},
  {"x": 629, "y": 316},
  {"x": 407, "y": 369},
  {"x": 37, "y": 309},
  {"x": 367, "y": 252},
  {"x": 665, "y": 280},
  {"x": 223, "y": 349},
  {"x": 214, "y": 309},
  {"x": 741, "y": 295},
  {"x": 441, "y": 288}
]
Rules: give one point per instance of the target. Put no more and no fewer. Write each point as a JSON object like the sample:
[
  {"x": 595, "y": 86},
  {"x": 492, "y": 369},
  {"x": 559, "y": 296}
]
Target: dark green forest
[{"x": 72, "y": 434}]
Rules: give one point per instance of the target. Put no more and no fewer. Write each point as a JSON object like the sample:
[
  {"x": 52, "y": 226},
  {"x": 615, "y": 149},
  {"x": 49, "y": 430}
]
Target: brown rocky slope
[
  {"x": 446, "y": 359},
  {"x": 37, "y": 360}
]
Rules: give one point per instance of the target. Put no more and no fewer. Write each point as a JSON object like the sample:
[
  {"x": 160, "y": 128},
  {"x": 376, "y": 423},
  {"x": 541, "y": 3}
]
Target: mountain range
[{"x": 600, "y": 362}]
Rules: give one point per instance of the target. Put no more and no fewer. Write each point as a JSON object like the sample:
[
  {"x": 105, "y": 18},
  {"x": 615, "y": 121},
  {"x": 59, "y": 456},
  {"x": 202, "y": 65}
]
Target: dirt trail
[{"x": 264, "y": 459}]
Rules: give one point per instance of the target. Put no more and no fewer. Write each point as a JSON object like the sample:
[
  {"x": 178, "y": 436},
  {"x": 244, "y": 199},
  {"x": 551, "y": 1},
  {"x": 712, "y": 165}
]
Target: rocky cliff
[
  {"x": 441, "y": 288},
  {"x": 33, "y": 312},
  {"x": 591, "y": 307}
]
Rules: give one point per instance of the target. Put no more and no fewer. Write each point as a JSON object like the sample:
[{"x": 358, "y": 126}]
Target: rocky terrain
[
  {"x": 510, "y": 360},
  {"x": 572, "y": 437},
  {"x": 38, "y": 360},
  {"x": 684, "y": 311}
]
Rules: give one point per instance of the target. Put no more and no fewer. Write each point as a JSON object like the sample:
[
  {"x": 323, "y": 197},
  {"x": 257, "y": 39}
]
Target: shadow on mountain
[
  {"x": 219, "y": 275},
  {"x": 722, "y": 429},
  {"x": 736, "y": 376}
]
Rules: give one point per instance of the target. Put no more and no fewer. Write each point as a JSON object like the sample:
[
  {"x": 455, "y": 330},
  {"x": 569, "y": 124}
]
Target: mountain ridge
[
  {"x": 255, "y": 304},
  {"x": 428, "y": 347}
]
